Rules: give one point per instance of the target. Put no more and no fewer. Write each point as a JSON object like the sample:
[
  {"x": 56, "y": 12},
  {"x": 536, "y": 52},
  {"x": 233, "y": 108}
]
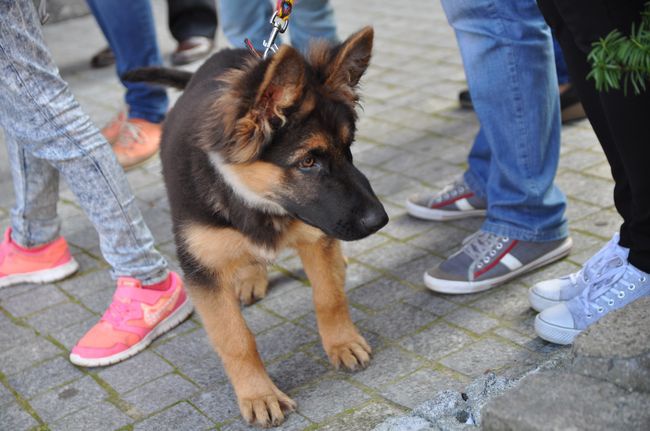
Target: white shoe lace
[
  {"x": 596, "y": 262},
  {"x": 450, "y": 191},
  {"x": 482, "y": 246},
  {"x": 609, "y": 284}
]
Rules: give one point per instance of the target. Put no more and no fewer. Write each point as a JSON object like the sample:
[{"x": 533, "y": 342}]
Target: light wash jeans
[
  {"x": 129, "y": 27},
  {"x": 508, "y": 58},
  {"x": 310, "y": 19},
  {"x": 48, "y": 135}
]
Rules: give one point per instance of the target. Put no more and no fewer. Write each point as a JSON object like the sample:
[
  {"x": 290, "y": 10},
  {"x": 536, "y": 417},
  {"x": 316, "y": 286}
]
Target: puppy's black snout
[{"x": 374, "y": 219}]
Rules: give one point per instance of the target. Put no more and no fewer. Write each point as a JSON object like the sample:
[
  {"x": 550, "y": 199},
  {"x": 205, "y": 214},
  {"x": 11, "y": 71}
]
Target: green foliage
[{"x": 623, "y": 61}]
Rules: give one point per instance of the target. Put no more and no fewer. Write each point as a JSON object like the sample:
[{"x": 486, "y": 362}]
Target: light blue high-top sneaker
[
  {"x": 548, "y": 293},
  {"x": 617, "y": 284}
]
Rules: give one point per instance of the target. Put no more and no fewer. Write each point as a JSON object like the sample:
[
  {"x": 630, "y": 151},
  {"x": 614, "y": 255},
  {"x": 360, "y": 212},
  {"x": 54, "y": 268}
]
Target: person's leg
[
  {"x": 246, "y": 19},
  {"x": 618, "y": 121},
  {"x": 507, "y": 55},
  {"x": 34, "y": 220},
  {"x": 478, "y": 162},
  {"x": 560, "y": 64},
  {"x": 40, "y": 114},
  {"x": 191, "y": 18},
  {"x": 129, "y": 27},
  {"x": 311, "y": 20}
]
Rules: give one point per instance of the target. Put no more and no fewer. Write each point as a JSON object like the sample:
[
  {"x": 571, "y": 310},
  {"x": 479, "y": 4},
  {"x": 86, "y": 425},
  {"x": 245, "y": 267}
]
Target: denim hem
[
  {"x": 155, "y": 277},
  {"x": 475, "y": 184},
  {"x": 560, "y": 232},
  {"x": 148, "y": 116}
]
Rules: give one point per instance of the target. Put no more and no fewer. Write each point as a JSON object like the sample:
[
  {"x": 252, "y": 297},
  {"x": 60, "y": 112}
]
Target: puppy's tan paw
[
  {"x": 252, "y": 284},
  {"x": 353, "y": 355},
  {"x": 266, "y": 410}
]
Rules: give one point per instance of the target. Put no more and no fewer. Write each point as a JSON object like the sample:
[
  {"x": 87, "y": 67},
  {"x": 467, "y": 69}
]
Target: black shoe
[
  {"x": 571, "y": 106},
  {"x": 192, "y": 49},
  {"x": 465, "y": 100},
  {"x": 103, "y": 58}
]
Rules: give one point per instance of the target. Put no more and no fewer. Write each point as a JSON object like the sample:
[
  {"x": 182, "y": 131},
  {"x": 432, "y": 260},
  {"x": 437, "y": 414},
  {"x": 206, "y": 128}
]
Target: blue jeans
[
  {"x": 310, "y": 19},
  {"x": 129, "y": 28},
  {"x": 508, "y": 59},
  {"x": 47, "y": 136},
  {"x": 560, "y": 65}
]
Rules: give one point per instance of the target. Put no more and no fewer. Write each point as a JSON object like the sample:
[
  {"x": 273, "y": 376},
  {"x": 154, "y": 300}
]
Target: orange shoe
[
  {"x": 135, "y": 318},
  {"x": 138, "y": 141},
  {"x": 42, "y": 264},
  {"x": 111, "y": 131}
]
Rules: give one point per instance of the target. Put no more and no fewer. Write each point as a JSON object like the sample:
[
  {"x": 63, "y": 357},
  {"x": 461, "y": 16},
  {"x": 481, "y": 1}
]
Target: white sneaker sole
[
  {"x": 440, "y": 215},
  {"x": 454, "y": 287},
  {"x": 555, "y": 334},
  {"x": 539, "y": 303},
  {"x": 170, "y": 322},
  {"x": 43, "y": 276}
]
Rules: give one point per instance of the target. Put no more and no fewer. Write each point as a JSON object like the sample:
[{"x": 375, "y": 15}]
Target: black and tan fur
[{"x": 256, "y": 158}]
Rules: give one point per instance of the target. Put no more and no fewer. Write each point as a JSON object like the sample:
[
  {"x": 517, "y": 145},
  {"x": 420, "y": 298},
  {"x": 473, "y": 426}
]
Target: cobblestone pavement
[{"x": 412, "y": 137}]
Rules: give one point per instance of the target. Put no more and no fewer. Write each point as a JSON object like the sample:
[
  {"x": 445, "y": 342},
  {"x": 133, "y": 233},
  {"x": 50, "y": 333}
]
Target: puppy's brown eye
[{"x": 307, "y": 162}]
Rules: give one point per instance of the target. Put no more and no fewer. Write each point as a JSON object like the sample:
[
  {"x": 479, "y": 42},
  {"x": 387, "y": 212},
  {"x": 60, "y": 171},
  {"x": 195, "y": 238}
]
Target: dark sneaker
[
  {"x": 548, "y": 293},
  {"x": 465, "y": 100},
  {"x": 456, "y": 201},
  {"x": 487, "y": 260},
  {"x": 618, "y": 284}
]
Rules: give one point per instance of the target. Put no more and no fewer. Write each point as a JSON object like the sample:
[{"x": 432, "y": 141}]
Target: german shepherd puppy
[{"x": 256, "y": 157}]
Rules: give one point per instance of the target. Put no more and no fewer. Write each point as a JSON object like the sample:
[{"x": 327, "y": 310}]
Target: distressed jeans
[
  {"x": 47, "y": 136},
  {"x": 508, "y": 58}
]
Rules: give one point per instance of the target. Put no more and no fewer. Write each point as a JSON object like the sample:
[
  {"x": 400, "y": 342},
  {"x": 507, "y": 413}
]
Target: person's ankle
[{"x": 161, "y": 285}]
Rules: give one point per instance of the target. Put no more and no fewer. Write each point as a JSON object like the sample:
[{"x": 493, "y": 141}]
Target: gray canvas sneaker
[
  {"x": 455, "y": 201},
  {"x": 548, "y": 293},
  {"x": 486, "y": 260},
  {"x": 618, "y": 284}
]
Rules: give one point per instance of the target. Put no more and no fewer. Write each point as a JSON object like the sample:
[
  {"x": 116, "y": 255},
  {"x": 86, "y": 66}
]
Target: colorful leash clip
[{"x": 280, "y": 22}]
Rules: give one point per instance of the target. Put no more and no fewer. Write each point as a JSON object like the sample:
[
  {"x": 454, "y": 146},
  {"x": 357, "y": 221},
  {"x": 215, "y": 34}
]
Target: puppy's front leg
[
  {"x": 325, "y": 266},
  {"x": 260, "y": 401}
]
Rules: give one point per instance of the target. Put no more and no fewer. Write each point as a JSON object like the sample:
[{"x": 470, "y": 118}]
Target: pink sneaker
[
  {"x": 42, "y": 264},
  {"x": 135, "y": 318}
]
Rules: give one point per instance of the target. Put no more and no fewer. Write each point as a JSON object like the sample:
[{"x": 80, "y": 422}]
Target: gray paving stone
[
  {"x": 328, "y": 398},
  {"x": 293, "y": 422},
  {"x": 508, "y": 303},
  {"x": 291, "y": 304},
  {"x": 97, "y": 416},
  {"x": 379, "y": 294},
  {"x": 295, "y": 371},
  {"x": 218, "y": 403},
  {"x": 437, "y": 341},
  {"x": 282, "y": 340},
  {"x": 358, "y": 274},
  {"x": 35, "y": 380},
  {"x": 86, "y": 284},
  {"x": 17, "y": 357},
  {"x": 398, "y": 321},
  {"x": 99, "y": 300},
  {"x": 137, "y": 371},
  {"x": 431, "y": 302},
  {"x": 70, "y": 335},
  {"x": 419, "y": 387},
  {"x": 364, "y": 418},
  {"x": 391, "y": 255},
  {"x": 58, "y": 317},
  {"x": 36, "y": 299},
  {"x": 484, "y": 355},
  {"x": 258, "y": 319},
  {"x": 471, "y": 320},
  {"x": 13, "y": 417},
  {"x": 62, "y": 401},
  {"x": 387, "y": 365},
  {"x": 179, "y": 417},
  {"x": 5, "y": 395},
  {"x": 160, "y": 393},
  {"x": 413, "y": 271}
]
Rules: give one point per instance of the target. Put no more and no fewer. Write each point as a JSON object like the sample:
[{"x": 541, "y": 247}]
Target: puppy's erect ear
[
  {"x": 350, "y": 63},
  {"x": 281, "y": 88}
]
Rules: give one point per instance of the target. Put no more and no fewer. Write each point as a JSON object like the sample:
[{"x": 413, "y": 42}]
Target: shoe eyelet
[
  {"x": 589, "y": 316},
  {"x": 600, "y": 309},
  {"x": 642, "y": 279},
  {"x": 631, "y": 287},
  {"x": 480, "y": 265},
  {"x": 493, "y": 253},
  {"x": 499, "y": 246},
  {"x": 621, "y": 295},
  {"x": 610, "y": 302},
  {"x": 486, "y": 259},
  {"x": 505, "y": 239}
]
